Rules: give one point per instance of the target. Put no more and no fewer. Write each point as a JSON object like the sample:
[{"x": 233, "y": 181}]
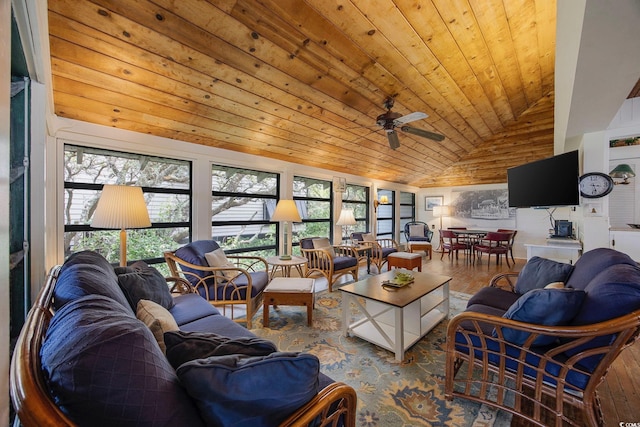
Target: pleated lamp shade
[{"x": 121, "y": 207}]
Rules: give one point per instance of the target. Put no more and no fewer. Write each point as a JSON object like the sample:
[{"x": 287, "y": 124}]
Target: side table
[
  {"x": 288, "y": 291},
  {"x": 285, "y": 265}
]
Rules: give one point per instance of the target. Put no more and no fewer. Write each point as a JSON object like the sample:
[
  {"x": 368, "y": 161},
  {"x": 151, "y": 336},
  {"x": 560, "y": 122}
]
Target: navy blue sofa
[
  {"x": 538, "y": 343},
  {"x": 84, "y": 358}
]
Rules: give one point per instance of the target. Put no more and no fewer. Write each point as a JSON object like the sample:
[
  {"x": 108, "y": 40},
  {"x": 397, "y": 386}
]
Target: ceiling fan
[{"x": 390, "y": 120}]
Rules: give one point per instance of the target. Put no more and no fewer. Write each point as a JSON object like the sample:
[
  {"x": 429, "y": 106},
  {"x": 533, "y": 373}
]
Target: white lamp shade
[
  {"x": 346, "y": 218},
  {"x": 384, "y": 200},
  {"x": 121, "y": 207},
  {"x": 286, "y": 210},
  {"x": 441, "y": 211}
]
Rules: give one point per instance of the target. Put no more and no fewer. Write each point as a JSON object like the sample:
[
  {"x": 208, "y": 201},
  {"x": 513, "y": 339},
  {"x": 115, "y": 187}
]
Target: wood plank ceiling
[{"x": 304, "y": 80}]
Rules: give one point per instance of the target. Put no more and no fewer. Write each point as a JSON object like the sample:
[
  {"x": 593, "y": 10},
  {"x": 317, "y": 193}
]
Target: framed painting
[{"x": 431, "y": 201}]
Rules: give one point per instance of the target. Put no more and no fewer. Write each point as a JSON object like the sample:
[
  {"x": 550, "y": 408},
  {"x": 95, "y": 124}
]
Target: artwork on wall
[
  {"x": 624, "y": 142},
  {"x": 488, "y": 208},
  {"x": 431, "y": 201}
]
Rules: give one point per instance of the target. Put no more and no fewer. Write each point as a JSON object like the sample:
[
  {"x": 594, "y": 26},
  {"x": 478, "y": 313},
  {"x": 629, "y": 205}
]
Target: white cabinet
[{"x": 627, "y": 241}]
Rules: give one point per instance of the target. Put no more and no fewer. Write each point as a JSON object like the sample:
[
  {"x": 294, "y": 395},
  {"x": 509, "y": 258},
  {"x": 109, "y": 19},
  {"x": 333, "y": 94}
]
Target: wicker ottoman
[
  {"x": 406, "y": 260},
  {"x": 288, "y": 291}
]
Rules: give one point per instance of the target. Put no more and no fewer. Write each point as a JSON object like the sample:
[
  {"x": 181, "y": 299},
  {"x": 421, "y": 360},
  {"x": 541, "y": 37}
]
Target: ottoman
[
  {"x": 288, "y": 291},
  {"x": 420, "y": 246},
  {"x": 406, "y": 260}
]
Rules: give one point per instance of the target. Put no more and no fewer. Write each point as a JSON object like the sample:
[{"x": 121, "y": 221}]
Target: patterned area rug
[{"x": 390, "y": 393}]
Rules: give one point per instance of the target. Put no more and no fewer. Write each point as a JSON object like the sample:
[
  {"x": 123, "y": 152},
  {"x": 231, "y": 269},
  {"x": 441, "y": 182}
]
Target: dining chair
[
  {"x": 450, "y": 244},
  {"x": 494, "y": 243},
  {"x": 511, "y": 242}
]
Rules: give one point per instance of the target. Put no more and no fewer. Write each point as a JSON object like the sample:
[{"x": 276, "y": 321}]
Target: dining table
[{"x": 471, "y": 237}]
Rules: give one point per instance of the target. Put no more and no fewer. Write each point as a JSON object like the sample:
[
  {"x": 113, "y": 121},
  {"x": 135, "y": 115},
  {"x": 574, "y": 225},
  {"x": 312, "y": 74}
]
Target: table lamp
[
  {"x": 346, "y": 219},
  {"x": 286, "y": 212},
  {"x": 121, "y": 207}
]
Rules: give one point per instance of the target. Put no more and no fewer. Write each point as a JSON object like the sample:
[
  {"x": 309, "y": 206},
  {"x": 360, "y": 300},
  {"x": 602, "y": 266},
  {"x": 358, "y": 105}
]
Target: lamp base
[{"x": 285, "y": 257}]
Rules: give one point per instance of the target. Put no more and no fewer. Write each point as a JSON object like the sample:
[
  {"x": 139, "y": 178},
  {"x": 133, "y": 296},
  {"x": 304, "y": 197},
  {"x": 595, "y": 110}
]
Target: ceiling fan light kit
[{"x": 390, "y": 120}]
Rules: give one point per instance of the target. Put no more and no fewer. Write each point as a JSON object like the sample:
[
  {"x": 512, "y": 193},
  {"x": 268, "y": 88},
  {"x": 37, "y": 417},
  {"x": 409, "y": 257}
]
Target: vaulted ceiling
[{"x": 304, "y": 80}]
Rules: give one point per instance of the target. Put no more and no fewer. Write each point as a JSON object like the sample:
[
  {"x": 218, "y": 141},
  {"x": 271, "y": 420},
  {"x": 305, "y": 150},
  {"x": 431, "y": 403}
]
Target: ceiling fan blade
[
  {"x": 422, "y": 133},
  {"x": 394, "y": 142},
  {"x": 411, "y": 117}
]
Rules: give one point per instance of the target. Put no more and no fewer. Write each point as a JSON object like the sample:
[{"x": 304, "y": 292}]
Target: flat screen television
[{"x": 545, "y": 183}]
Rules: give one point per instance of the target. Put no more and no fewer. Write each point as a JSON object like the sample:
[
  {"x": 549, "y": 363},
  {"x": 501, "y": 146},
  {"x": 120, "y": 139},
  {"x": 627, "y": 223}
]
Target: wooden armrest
[
  {"x": 249, "y": 262},
  {"x": 321, "y": 407},
  {"x": 180, "y": 285},
  {"x": 503, "y": 280}
]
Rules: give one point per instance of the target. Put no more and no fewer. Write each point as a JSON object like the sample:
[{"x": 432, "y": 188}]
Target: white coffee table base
[{"x": 396, "y": 328}]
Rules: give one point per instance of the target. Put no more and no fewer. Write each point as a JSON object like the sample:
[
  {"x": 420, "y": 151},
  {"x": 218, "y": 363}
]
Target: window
[
  {"x": 356, "y": 198},
  {"x": 243, "y": 202},
  {"x": 385, "y": 215},
  {"x": 314, "y": 199},
  {"x": 166, "y": 184},
  {"x": 407, "y": 211}
]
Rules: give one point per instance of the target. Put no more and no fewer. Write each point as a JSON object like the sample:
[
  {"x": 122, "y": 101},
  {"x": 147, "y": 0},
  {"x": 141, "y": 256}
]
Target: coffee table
[{"x": 395, "y": 318}]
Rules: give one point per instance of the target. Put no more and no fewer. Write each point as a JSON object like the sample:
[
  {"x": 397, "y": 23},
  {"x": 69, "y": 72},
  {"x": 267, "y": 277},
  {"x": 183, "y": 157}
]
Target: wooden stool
[
  {"x": 406, "y": 260},
  {"x": 420, "y": 246},
  {"x": 288, "y": 291}
]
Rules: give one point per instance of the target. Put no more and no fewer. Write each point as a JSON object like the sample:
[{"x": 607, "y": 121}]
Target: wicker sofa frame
[
  {"x": 534, "y": 383},
  {"x": 333, "y": 406}
]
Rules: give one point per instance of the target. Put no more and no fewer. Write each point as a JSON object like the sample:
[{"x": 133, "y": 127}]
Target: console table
[{"x": 562, "y": 252}]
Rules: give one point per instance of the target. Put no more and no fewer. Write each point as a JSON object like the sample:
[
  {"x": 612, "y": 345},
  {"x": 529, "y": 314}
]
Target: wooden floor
[{"x": 619, "y": 393}]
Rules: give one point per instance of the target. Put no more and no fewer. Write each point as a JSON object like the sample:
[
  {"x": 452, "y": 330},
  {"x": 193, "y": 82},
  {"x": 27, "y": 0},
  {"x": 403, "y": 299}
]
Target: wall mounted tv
[{"x": 545, "y": 183}]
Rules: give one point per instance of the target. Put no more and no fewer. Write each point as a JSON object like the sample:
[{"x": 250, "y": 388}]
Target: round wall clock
[{"x": 595, "y": 184}]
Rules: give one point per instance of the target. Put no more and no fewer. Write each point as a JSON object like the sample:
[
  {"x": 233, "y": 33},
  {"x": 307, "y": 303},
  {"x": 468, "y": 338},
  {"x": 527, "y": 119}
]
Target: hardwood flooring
[{"x": 620, "y": 391}]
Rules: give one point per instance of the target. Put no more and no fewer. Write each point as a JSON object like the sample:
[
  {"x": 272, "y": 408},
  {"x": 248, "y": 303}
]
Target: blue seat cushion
[
  {"x": 539, "y": 272},
  {"x": 219, "y": 323},
  {"x": 184, "y": 346},
  {"x": 494, "y": 297},
  {"x": 190, "y": 307},
  {"x": 103, "y": 367},
  {"x": 141, "y": 281},
  {"x": 419, "y": 239},
  {"x": 548, "y": 307},
  {"x": 250, "y": 391},
  {"x": 387, "y": 251},
  {"x": 259, "y": 281},
  {"x": 342, "y": 262},
  {"x": 87, "y": 273}
]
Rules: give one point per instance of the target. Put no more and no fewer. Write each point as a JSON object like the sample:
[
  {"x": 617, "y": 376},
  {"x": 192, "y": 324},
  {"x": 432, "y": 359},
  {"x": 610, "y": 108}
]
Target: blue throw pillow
[
  {"x": 141, "y": 281},
  {"x": 542, "y": 307},
  {"x": 87, "y": 273},
  {"x": 103, "y": 367},
  {"x": 247, "y": 391},
  {"x": 183, "y": 346},
  {"x": 539, "y": 272}
]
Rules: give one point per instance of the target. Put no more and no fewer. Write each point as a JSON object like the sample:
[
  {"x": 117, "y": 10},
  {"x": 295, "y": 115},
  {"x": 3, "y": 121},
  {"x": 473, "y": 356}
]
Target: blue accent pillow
[
  {"x": 542, "y": 307},
  {"x": 183, "y": 346},
  {"x": 539, "y": 272},
  {"x": 141, "y": 281},
  {"x": 103, "y": 367},
  {"x": 87, "y": 273},
  {"x": 247, "y": 391}
]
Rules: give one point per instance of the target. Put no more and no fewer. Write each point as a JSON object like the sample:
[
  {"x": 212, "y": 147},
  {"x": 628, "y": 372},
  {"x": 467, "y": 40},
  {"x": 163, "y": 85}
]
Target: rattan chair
[
  {"x": 380, "y": 249},
  {"x": 218, "y": 284},
  {"x": 321, "y": 261},
  {"x": 551, "y": 385}
]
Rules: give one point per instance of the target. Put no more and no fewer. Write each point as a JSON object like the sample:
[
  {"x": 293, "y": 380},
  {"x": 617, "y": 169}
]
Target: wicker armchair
[
  {"x": 323, "y": 261},
  {"x": 380, "y": 249},
  {"x": 241, "y": 283},
  {"x": 550, "y": 374}
]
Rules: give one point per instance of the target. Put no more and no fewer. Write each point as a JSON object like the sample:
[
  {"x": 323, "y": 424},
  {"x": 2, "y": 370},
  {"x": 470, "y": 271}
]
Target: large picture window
[
  {"x": 166, "y": 184},
  {"x": 314, "y": 199},
  {"x": 386, "y": 215},
  {"x": 356, "y": 198},
  {"x": 407, "y": 211},
  {"x": 243, "y": 202}
]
